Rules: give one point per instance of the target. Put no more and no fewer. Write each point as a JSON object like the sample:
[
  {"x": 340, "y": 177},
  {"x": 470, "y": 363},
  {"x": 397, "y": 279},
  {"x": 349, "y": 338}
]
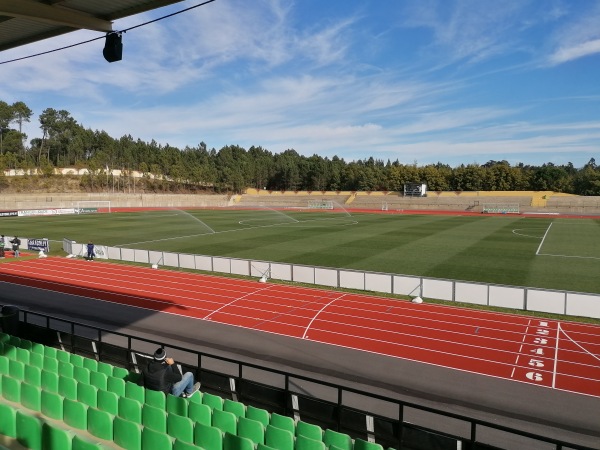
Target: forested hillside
[{"x": 66, "y": 143}]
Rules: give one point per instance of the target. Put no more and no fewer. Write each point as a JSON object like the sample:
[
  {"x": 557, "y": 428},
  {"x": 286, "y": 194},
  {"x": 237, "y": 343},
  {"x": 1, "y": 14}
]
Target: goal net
[
  {"x": 501, "y": 208},
  {"x": 320, "y": 204},
  {"x": 92, "y": 206}
]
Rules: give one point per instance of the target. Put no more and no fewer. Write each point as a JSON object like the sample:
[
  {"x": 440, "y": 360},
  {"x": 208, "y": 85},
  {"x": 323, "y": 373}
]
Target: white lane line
[
  {"x": 319, "y": 312},
  {"x": 520, "y": 349},
  {"x": 555, "y": 355}
]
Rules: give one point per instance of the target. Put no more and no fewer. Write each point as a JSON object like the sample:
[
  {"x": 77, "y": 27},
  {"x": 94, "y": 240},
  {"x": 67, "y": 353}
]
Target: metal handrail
[{"x": 473, "y": 422}]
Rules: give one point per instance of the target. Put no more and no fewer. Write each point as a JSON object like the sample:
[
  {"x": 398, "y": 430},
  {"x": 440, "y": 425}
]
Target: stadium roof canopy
[{"x": 26, "y": 21}]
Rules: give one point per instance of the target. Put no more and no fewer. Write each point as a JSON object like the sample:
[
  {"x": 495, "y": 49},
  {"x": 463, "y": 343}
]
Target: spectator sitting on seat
[{"x": 162, "y": 374}]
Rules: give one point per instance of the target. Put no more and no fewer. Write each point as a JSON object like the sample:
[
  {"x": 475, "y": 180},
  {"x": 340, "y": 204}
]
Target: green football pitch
[{"x": 543, "y": 252}]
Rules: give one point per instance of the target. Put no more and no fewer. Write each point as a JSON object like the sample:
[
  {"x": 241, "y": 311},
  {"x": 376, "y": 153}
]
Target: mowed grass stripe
[
  {"x": 577, "y": 238},
  {"x": 482, "y": 248}
]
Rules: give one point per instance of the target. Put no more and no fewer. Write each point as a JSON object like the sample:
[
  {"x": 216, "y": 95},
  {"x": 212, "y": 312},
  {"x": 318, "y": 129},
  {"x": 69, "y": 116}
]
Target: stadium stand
[
  {"x": 50, "y": 405},
  {"x": 73, "y": 413}
]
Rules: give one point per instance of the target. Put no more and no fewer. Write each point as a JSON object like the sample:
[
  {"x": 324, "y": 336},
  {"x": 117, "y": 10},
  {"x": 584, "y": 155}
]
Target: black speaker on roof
[{"x": 113, "y": 47}]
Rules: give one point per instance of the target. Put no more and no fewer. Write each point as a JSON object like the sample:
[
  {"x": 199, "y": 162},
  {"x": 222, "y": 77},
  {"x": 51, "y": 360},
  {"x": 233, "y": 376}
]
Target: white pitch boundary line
[
  {"x": 568, "y": 256},
  {"x": 230, "y": 231},
  {"x": 544, "y": 238}
]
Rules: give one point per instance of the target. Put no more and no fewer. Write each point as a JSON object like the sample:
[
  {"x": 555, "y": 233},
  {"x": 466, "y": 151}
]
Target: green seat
[
  {"x": 134, "y": 377},
  {"x": 36, "y": 360},
  {"x": 16, "y": 369},
  {"x": 108, "y": 401},
  {"x": 127, "y": 434},
  {"x": 50, "y": 364},
  {"x": 10, "y": 351},
  {"x": 130, "y": 409},
  {"x": 361, "y": 444},
  {"x": 4, "y": 365},
  {"x": 177, "y": 405},
  {"x": 214, "y": 401},
  {"x": 283, "y": 422},
  {"x": 99, "y": 380},
  {"x": 135, "y": 392},
  {"x": 120, "y": 372},
  {"x": 4, "y": 337},
  {"x": 155, "y": 440},
  {"x": 309, "y": 430},
  {"x": 279, "y": 438},
  {"x": 341, "y": 440},
  {"x": 80, "y": 443},
  {"x": 56, "y": 438},
  {"x": 181, "y": 428},
  {"x": 100, "y": 424},
  {"x": 225, "y": 421},
  {"x": 233, "y": 442},
  {"x": 14, "y": 341},
  {"x": 180, "y": 445},
  {"x": 76, "y": 360},
  {"x": 65, "y": 369},
  {"x": 105, "y": 368},
  {"x": 31, "y": 397},
  {"x": 26, "y": 344},
  {"x": 29, "y": 431},
  {"x": 90, "y": 364},
  {"x": 37, "y": 348},
  {"x": 306, "y": 443},
  {"x": 51, "y": 352},
  {"x": 75, "y": 414},
  {"x": 261, "y": 415},
  {"x": 63, "y": 356},
  {"x": 200, "y": 413},
  {"x": 81, "y": 374},
  {"x": 23, "y": 355},
  {"x": 264, "y": 447},
  {"x": 67, "y": 387},
  {"x": 116, "y": 385},
  {"x": 237, "y": 408},
  {"x": 33, "y": 375},
  {"x": 209, "y": 438},
  {"x": 8, "y": 424},
  {"x": 251, "y": 429},
  {"x": 154, "y": 418},
  {"x": 155, "y": 398},
  {"x": 88, "y": 394},
  {"x": 52, "y": 405},
  {"x": 49, "y": 381},
  {"x": 11, "y": 389}
]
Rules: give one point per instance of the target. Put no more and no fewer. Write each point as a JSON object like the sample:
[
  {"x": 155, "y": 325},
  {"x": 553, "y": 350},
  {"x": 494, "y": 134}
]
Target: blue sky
[{"x": 452, "y": 81}]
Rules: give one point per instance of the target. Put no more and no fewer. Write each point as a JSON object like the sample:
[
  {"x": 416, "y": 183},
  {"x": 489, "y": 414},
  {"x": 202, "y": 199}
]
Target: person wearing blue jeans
[{"x": 162, "y": 374}]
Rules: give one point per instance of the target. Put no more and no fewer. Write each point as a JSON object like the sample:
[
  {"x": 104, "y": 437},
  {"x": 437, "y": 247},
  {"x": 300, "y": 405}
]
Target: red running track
[{"x": 555, "y": 354}]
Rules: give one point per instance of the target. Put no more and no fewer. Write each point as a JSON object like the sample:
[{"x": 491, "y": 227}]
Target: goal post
[
  {"x": 500, "y": 208},
  {"x": 87, "y": 206},
  {"x": 320, "y": 204}
]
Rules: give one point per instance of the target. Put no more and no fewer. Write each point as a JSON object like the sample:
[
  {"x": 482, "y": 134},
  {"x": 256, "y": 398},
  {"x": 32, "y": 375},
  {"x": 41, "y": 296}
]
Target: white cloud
[{"x": 576, "y": 51}]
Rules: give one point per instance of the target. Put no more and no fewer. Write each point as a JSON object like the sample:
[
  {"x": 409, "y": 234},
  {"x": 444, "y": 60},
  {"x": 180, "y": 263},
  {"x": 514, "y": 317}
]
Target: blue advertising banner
[{"x": 38, "y": 244}]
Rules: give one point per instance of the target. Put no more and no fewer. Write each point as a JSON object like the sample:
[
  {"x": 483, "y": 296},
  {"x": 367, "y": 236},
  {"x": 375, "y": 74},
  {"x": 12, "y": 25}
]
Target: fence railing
[
  {"x": 514, "y": 297},
  {"x": 289, "y": 393}
]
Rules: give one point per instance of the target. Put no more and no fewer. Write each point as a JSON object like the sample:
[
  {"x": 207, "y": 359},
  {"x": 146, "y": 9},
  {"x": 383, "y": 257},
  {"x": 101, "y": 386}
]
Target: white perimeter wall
[{"x": 513, "y": 297}]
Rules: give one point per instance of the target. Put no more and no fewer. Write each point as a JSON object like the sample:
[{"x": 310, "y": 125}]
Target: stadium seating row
[{"x": 101, "y": 399}]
